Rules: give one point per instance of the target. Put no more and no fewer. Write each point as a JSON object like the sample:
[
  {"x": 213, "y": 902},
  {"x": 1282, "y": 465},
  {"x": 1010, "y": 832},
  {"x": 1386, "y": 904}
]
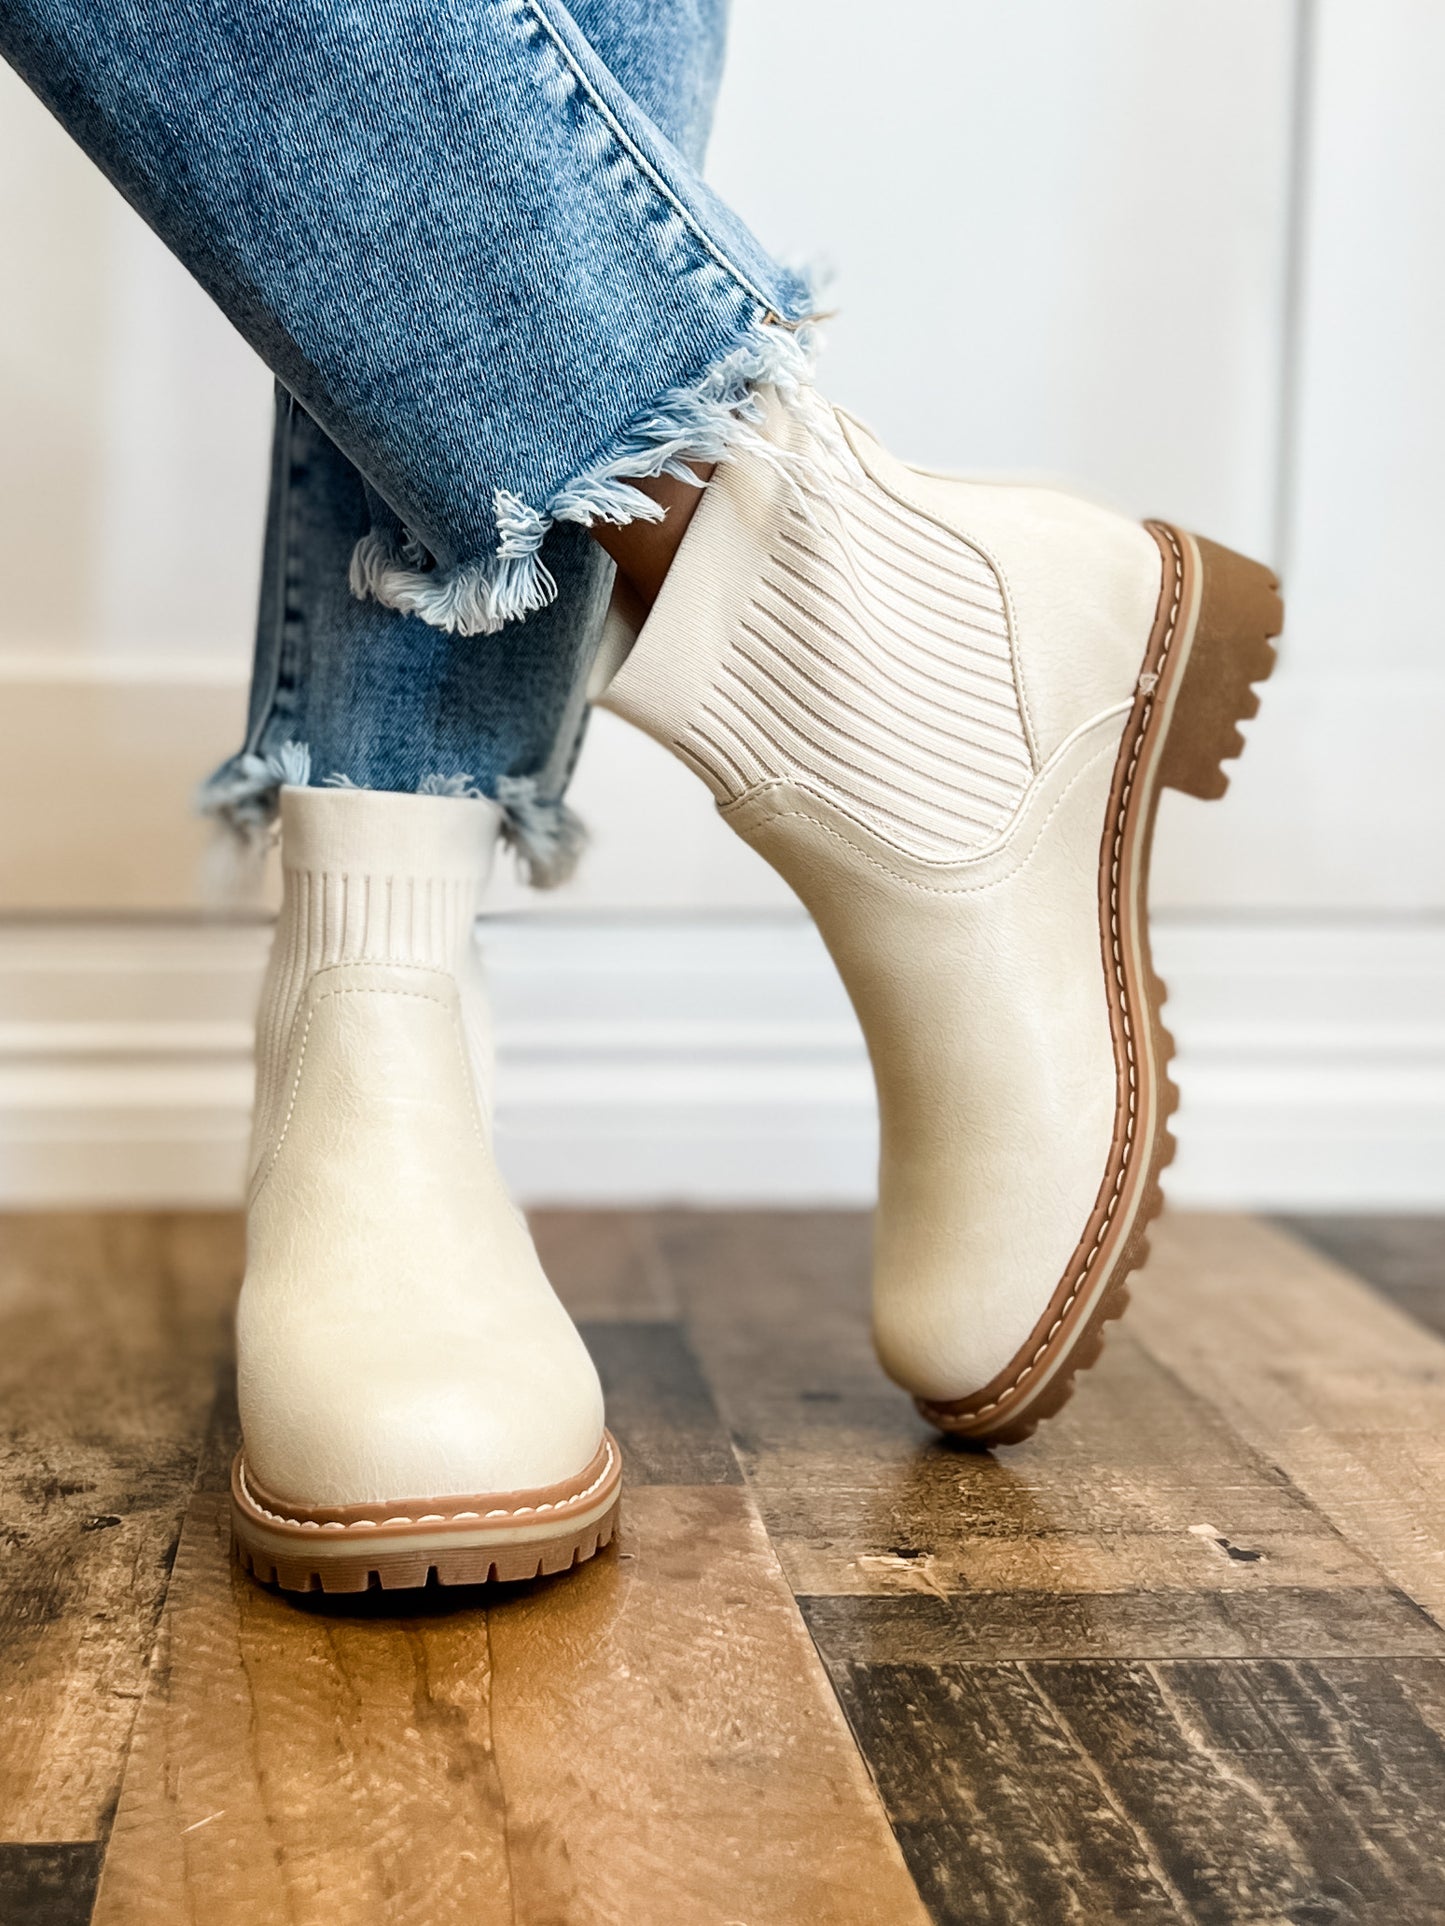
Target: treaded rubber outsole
[
  {"x": 401, "y": 1544},
  {"x": 1239, "y": 611},
  {"x": 403, "y": 1570}
]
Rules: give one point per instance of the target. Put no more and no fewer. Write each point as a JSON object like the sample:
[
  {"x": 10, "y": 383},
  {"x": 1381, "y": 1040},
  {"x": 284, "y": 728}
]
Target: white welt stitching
[
  {"x": 934, "y": 1411},
  {"x": 433, "y": 1517}
]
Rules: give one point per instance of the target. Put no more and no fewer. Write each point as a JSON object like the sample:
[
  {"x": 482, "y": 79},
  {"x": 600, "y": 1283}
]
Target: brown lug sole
[
  {"x": 1210, "y": 642},
  {"x": 455, "y": 1541}
]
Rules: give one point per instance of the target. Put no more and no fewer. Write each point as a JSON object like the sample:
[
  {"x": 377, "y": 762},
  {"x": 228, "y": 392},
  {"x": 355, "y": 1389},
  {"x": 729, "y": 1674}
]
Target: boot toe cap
[{"x": 345, "y": 1421}]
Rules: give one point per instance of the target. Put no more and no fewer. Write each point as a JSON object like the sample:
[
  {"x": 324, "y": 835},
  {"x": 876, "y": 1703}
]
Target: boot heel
[{"x": 1239, "y": 610}]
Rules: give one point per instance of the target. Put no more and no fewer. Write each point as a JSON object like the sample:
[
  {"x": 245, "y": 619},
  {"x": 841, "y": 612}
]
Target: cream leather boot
[
  {"x": 413, "y": 1396},
  {"x": 944, "y": 710}
]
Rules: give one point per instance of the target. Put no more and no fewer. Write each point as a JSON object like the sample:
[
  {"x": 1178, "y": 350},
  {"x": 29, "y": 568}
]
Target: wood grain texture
[
  {"x": 649, "y": 1739},
  {"x": 1145, "y": 1488},
  {"x": 1206, "y": 1792},
  {"x": 1142, "y": 1524},
  {"x": 1272, "y": 1787},
  {"x": 111, "y": 1330},
  {"x": 296, "y": 1765},
  {"x": 1343, "y": 1393},
  {"x": 778, "y": 1301},
  {"x": 1179, "y": 1657},
  {"x": 1276, "y": 1621},
  {"x": 1001, "y": 1816},
  {"x": 1212, "y": 1639},
  {"x": 690, "y": 1763}
]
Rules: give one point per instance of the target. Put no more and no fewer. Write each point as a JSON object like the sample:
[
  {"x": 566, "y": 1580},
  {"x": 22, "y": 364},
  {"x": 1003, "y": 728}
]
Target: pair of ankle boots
[{"x": 944, "y": 711}]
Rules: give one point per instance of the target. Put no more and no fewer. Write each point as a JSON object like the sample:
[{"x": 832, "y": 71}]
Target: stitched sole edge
[
  {"x": 1186, "y": 723},
  {"x": 304, "y": 1557},
  {"x": 400, "y": 1570}
]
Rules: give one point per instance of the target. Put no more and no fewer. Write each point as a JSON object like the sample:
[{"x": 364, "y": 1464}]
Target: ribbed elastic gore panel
[{"x": 873, "y": 663}]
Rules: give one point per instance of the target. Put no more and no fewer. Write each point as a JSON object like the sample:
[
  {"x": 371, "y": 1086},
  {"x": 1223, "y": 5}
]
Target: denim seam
[
  {"x": 289, "y": 657},
  {"x": 293, "y": 656},
  {"x": 263, "y": 711},
  {"x": 644, "y": 166}
]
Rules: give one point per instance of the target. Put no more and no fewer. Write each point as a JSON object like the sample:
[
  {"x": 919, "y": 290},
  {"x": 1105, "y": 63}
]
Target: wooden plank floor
[{"x": 1180, "y": 1657}]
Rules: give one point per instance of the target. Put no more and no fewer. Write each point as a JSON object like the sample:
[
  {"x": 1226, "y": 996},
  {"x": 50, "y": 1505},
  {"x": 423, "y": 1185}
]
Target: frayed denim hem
[
  {"x": 244, "y": 797},
  {"x": 712, "y": 421},
  {"x": 546, "y": 837},
  {"x": 245, "y": 793}
]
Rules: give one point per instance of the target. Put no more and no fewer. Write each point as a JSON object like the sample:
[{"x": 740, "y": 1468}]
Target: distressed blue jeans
[{"x": 470, "y": 239}]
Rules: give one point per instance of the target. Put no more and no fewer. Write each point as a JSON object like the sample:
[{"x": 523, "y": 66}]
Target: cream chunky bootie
[
  {"x": 944, "y": 710},
  {"x": 413, "y": 1396}
]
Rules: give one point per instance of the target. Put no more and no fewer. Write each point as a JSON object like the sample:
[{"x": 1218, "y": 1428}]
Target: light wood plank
[
  {"x": 297, "y": 1765},
  {"x": 650, "y": 1739},
  {"x": 111, "y": 1331},
  {"x": 1344, "y": 1393},
  {"x": 688, "y": 1762}
]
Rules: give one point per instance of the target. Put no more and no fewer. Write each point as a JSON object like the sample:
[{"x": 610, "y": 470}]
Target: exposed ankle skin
[{"x": 643, "y": 551}]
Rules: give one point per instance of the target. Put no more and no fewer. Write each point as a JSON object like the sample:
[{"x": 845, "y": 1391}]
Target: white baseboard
[{"x": 652, "y": 1059}]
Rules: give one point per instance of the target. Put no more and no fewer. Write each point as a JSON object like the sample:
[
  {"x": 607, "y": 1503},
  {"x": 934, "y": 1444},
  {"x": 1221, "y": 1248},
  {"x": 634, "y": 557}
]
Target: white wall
[
  {"x": 1184, "y": 255},
  {"x": 133, "y": 435}
]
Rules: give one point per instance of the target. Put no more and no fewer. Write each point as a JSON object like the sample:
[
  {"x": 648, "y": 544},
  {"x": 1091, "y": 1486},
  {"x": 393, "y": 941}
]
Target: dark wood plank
[
  {"x": 48, "y": 1885},
  {"x": 780, "y": 1299},
  {"x": 1276, "y": 1789},
  {"x": 1280, "y": 1621},
  {"x": 111, "y": 1332},
  {"x": 1001, "y": 1816},
  {"x": 1216, "y": 1793},
  {"x": 659, "y": 1407},
  {"x": 1402, "y": 1256}
]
